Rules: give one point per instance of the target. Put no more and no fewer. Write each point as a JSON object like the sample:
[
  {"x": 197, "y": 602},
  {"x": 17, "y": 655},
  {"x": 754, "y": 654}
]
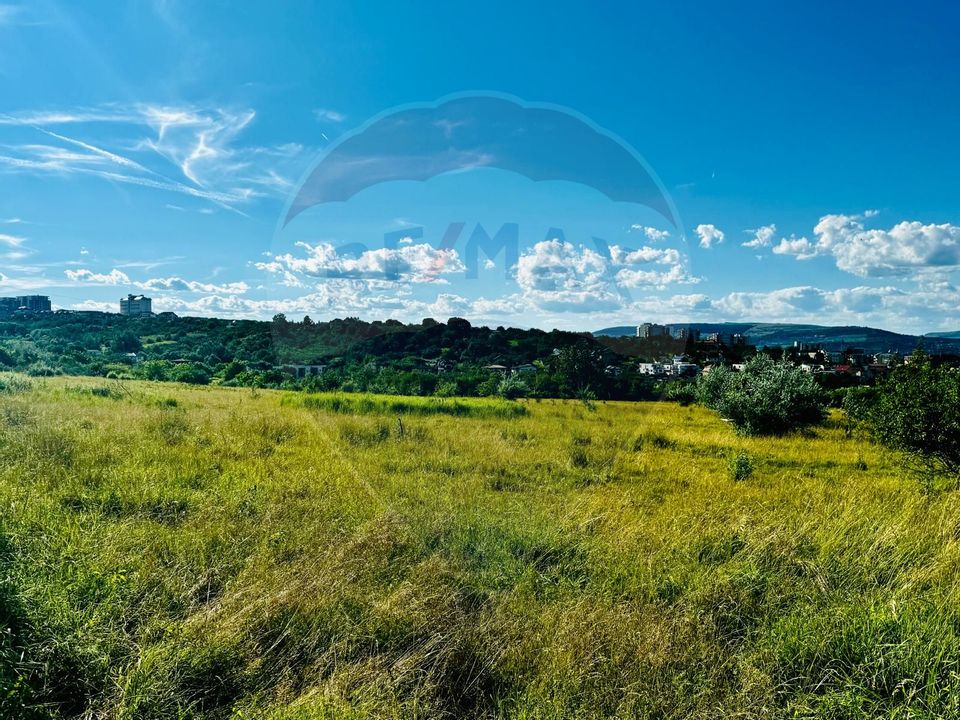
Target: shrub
[
  {"x": 447, "y": 388},
  {"x": 680, "y": 391},
  {"x": 588, "y": 398},
  {"x": 858, "y": 402},
  {"x": 765, "y": 398},
  {"x": 741, "y": 467},
  {"x": 12, "y": 385},
  {"x": 155, "y": 370},
  {"x": 578, "y": 458},
  {"x": 43, "y": 370},
  {"x": 512, "y": 387},
  {"x": 917, "y": 411},
  {"x": 191, "y": 373}
]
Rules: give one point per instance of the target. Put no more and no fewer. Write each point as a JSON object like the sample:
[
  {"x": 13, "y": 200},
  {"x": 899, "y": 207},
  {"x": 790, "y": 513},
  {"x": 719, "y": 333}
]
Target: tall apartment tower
[{"x": 136, "y": 305}]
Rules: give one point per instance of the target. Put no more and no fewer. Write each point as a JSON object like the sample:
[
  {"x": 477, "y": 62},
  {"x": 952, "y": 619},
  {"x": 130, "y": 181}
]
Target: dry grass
[{"x": 168, "y": 551}]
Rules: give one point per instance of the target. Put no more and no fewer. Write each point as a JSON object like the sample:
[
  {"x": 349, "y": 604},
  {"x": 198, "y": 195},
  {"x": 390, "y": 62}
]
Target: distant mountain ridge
[{"x": 831, "y": 337}]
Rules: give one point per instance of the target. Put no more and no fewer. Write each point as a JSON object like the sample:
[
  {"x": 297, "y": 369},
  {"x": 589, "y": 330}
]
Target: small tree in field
[
  {"x": 917, "y": 411},
  {"x": 765, "y": 398}
]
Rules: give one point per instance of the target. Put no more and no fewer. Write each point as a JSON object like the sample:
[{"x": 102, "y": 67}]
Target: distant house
[
  {"x": 655, "y": 369},
  {"x": 613, "y": 371},
  {"x": 441, "y": 365},
  {"x": 496, "y": 368},
  {"x": 525, "y": 368},
  {"x": 684, "y": 369},
  {"x": 301, "y": 371}
]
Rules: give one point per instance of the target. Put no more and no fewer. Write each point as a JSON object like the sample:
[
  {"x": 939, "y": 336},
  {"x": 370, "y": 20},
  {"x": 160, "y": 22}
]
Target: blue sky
[{"x": 811, "y": 154}]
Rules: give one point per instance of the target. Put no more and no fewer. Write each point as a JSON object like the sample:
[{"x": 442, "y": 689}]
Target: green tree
[
  {"x": 512, "y": 387},
  {"x": 917, "y": 411},
  {"x": 578, "y": 368},
  {"x": 765, "y": 398},
  {"x": 155, "y": 370},
  {"x": 192, "y": 373}
]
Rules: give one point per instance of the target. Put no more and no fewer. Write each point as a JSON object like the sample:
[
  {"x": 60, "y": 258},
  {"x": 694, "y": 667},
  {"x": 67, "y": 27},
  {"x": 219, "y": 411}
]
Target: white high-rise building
[{"x": 136, "y": 305}]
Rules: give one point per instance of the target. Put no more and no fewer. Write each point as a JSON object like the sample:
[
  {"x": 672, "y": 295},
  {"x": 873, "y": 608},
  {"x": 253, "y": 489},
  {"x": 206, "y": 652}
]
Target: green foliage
[
  {"x": 379, "y": 405},
  {"x": 204, "y": 553},
  {"x": 14, "y": 384},
  {"x": 765, "y": 398},
  {"x": 192, "y": 373},
  {"x": 385, "y": 357},
  {"x": 155, "y": 370},
  {"x": 512, "y": 387},
  {"x": 917, "y": 412},
  {"x": 741, "y": 467},
  {"x": 683, "y": 392}
]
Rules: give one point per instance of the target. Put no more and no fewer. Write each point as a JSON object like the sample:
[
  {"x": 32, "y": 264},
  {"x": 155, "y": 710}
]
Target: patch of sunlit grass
[{"x": 173, "y": 551}]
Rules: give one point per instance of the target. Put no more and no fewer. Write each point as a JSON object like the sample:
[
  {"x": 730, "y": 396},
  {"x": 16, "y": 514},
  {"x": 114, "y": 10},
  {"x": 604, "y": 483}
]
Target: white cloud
[
  {"x": 329, "y": 115},
  {"x": 180, "y": 285},
  {"x": 904, "y": 249},
  {"x": 11, "y": 240},
  {"x": 95, "y": 305},
  {"x": 800, "y": 247},
  {"x": 420, "y": 263},
  {"x": 710, "y": 235},
  {"x": 557, "y": 276},
  {"x": 762, "y": 236},
  {"x": 634, "y": 278},
  {"x": 645, "y": 254},
  {"x": 30, "y": 282},
  {"x": 653, "y": 234},
  {"x": 83, "y": 275}
]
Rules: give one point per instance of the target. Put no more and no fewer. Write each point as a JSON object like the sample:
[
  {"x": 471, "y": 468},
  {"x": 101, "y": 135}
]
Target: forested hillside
[{"x": 426, "y": 358}]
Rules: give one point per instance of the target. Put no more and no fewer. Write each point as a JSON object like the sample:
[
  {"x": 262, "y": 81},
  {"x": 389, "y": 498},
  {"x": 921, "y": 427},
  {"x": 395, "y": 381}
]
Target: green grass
[
  {"x": 367, "y": 404},
  {"x": 181, "y": 552}
]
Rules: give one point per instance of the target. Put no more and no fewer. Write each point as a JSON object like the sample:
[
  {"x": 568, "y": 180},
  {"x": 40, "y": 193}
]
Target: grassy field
[{"x": 175, "y": 552}]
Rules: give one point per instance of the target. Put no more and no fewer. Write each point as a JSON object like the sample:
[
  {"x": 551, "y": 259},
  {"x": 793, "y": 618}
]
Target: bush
[
  {"x": 680, "y": 391},
  {"x": 512, "y": 387},
  {"x": 13, "y": 385},
  {"x": 741, "y": 467},
  {"x": 43, "y": 370},
  {"x": 191, "y": 373},
  {"x": 858, "y": 402},
  {"x": 765, "y": 398},
  {"x": 917, "y": 411}
]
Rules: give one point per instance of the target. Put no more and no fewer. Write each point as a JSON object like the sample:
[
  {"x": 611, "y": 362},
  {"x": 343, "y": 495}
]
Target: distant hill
[{"x": 831, "y": 337}]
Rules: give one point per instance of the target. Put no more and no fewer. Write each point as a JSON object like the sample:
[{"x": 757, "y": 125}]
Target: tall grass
[
  {"x": 213, "y": 553},
  {"x": 366, "y": 404}
]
